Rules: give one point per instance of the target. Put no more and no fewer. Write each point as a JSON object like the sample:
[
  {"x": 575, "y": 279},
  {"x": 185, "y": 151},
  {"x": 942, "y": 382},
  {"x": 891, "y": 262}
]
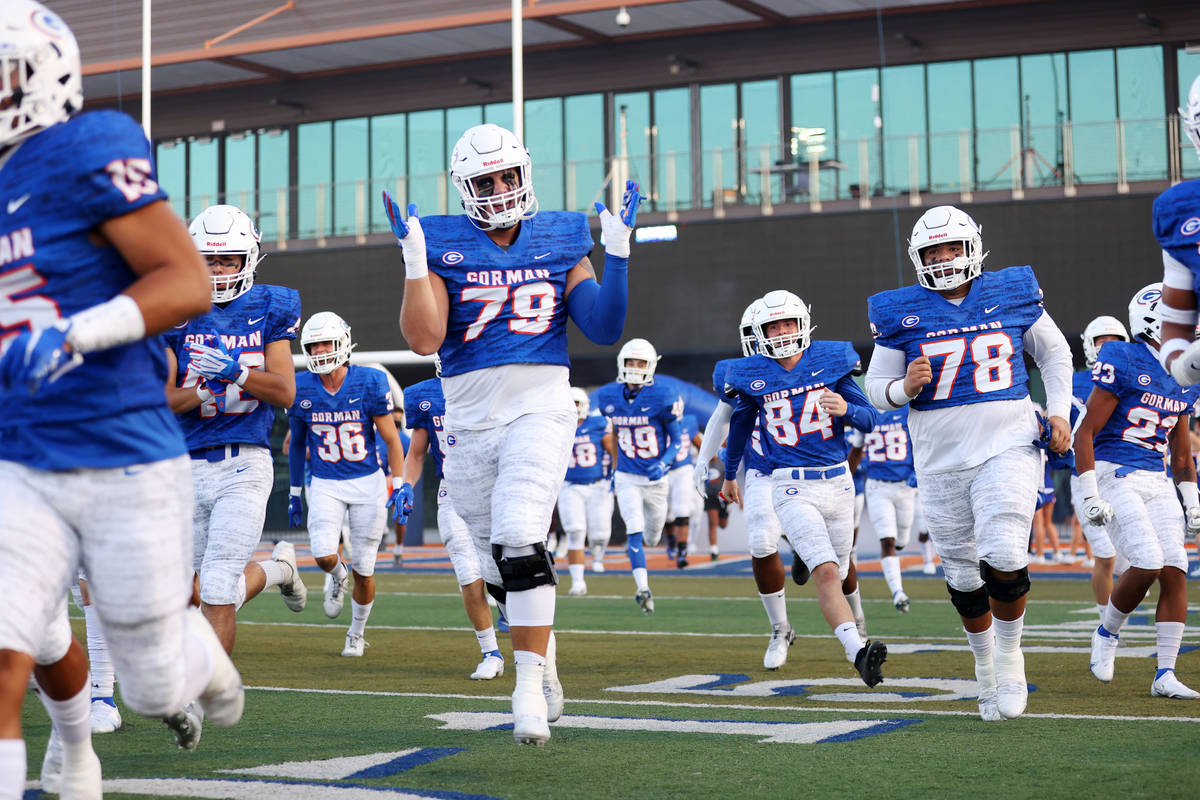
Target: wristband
[
  {"x": 891, "y": 399},
  {"x": 294, "y": 491},
  {"x": 1087, "y": 484},
  {"x": 240, "y": 380},
  {"x": 1189, "y": 493},
  {"x": 110, "y": 324},
  {"x": 203, "y": 392}
]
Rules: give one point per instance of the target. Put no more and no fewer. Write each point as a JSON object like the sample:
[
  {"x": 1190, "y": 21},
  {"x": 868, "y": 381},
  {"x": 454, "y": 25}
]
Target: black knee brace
[
  {"x": 970, "y": 605},
  {"x": 1006, "y": 591},
  {"x": 681, "y": 521},
  {"x": 521, "y": 573},
  {"x": 497, "y": 592}
]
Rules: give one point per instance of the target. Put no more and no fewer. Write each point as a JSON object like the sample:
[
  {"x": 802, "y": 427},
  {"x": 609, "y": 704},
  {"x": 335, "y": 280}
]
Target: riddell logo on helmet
[
  {"x": 214, "y": 244},
  {"x": 493, "y": 163},
  {"x": 938, "y": 235}
]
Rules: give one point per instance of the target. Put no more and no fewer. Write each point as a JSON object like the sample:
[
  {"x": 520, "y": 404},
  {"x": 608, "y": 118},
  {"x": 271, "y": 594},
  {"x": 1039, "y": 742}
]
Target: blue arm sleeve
[
  {"x": 675, "y": 435},
  {"x": 859, "y": 411},
  {"x": 296, "y": 450},
  {"x": 740, "y": 426},
  {"x": 599, "y": 309}
]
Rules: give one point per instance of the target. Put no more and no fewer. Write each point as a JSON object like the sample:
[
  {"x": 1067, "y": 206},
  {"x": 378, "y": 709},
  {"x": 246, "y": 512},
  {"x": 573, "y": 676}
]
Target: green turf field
[{"x": 672, "y": 705}]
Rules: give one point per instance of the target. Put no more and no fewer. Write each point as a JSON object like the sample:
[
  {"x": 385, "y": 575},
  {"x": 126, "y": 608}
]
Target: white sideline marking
[
  {"x": 737, "y": 706},
  {"x": 329, "y": 769},
  {"x": 938, "y": 689},
  {"x": 1085, "y": 608},
  {"x": 248, "y": 790}
]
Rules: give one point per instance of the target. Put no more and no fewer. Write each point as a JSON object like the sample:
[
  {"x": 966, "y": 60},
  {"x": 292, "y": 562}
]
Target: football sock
[
  {"x": 576, "y": 571},
  {"x": 847, "y": 634},
  {"x": 1114, "y": 620},
  {"x": 338, "y": 572},
  {"x": 641, "y": 579},
  {"x": 776, "y": 605},
  {"x": 358, "y": 616},
  {"x": 855, "y": 601},
  {"x": 98, "y": 659},
  {"x": 12, "y": 768},
  {"x": 72, "y": 717},
  {"x": 891, "y": 573},
  {"x": 927, "y": 551},
  {"x": 275, "y": 571},
  {"x": 487, "y": 640},
  {"x": 1008, "y": 633},
  {"x": 598, "y": 552},
  {"x": 551, "y": 671},
  {"x": 982, "y": 645},
  {"x": 1168, "y": 638},
  {"x": 636, "y": 551}
]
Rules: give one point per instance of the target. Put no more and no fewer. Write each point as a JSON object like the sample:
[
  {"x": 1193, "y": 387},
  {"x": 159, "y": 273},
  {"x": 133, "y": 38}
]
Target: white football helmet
[
  {"x": 746, "y": 330},
  {"x": 640, "y": 350},
  {"x": 1100, "y": 326},
  {"x": 582, "y": 404},
  {"x": 1145, "y": 320},
  {"x": 947, "y": 224},
  {"x": 38, "y": 52},
  {"x": 326, "y": 326},
  {"x": 228, "y": 230},
  {"x": 482, "y": 150},
  {"x": 778, "y": 305},
  {"x": 1189, "y": 115}
]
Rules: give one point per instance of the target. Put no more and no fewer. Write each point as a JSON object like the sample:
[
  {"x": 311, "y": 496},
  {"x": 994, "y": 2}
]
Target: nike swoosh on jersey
[
  {"x": 543, "y": 255},
  {"x": 13, "y": 205},
  {"x": 256, "y": 321},
  {"x": 355, "y": 400},
  {"x": 818, "y": 371},
  {"x": 645, "y": 408},
  {"x": 990, "y": 310}
]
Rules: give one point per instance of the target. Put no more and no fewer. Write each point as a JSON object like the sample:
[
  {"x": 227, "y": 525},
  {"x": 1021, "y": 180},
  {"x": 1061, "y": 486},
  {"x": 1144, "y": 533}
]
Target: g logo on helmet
[
  {"x": 452, "y": 257},
  {"x": 425, "y": 405},
  {"x": 910, "y": 320},
  {"x": 1150, "y": 296},
  {"x": 757, "y": 385},
  {"x": 1190, "y": 227},
  {"x": 48, "y": 23},
  {"x": 1144, "y": 380}
]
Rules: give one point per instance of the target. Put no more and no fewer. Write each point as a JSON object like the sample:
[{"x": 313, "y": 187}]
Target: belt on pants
[
  {"x": 214, "y": 454},
  {"x": 818, "y": 474}
]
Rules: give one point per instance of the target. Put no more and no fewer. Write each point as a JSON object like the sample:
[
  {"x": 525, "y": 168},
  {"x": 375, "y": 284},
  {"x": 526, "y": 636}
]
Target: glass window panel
[
  {"x": 631, "y": 136},
  {"x": 544, "y": 138},
  {"x": 858, "y": 120},
  {"x": 457, "y": 122},
  {"x": 813, "y": 131},
  {"x": 349, "y": 174},
  {"x": 1140, "y": 106},
  {"x": 273, "y": 182},
  {"x": 1093, "y": 84},
  {"x": 584, "y": 137},
  {"x": 1044, "y": 105},
  {"x": 427, "y": 160},
  {"x": 903, "y": 118},
  {"x": 760, "y": 110},
  {"x": 997, "y": 113},
  {"x": 718, "y": 158},
  {"x": 501, "y": 114},
  {"x": 1189, "y": 67},
  {"x": 672, "y": 147},
  {"x": 240, "y": 171},
  {"x": 202, "y": 174},
  {"x": 170, "y": 162},
  {"x": 314, "y": 142},
  {"x": 388, "y": 136},
  {"x": 950, "y": 126}
]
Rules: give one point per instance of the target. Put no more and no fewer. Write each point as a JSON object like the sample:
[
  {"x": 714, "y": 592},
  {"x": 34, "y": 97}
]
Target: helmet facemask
[
  {"x": 777, "y": 306},
  {"x": 326, "y": 327},
  {"x": 634, "y": 375},
  {"x": 1145, "y": 319},
  {"x": 946, "y": 225},
  {"x": 493, "y": 174},
  {"x": 583, "y": 405},
  {"x": 1100, "y": 326},
  {"x": 225, "y": 230},
  {"x": 746, "y": 333},
  {"x": 227, "y": 287},
  {"x": 40, "y": 72}
]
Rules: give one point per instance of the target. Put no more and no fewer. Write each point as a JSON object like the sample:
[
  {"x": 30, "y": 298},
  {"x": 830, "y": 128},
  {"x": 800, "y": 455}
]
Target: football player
[
  {"x": 339, "y": 408},
  {"x": 225, "y": 371},
  {"x": 93, "y": 468},
  {"x": 891, "y": 494},
  {"x": 952, "y": 347},
  {"x": 428, "y": 406},
  {"x": 803, "y": 396},
  {"x": 585, "y": 501},
  {"x": 1177, "y": 228},
  {"x": 1134, "y": 413},
  {"x": 490, "y": 291},
  {"x": 681, "y": 502}
]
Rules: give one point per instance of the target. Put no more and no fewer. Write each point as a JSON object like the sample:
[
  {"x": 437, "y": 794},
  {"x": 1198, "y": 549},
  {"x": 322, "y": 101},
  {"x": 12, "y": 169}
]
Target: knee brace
[
  {"x": 1006, "y": 591},
  {"x": 970, "y": 605},
  {"x": 497, "y": 592},
  {"x": 521, "y": 573},
  {"x": 681, "y": 521}
]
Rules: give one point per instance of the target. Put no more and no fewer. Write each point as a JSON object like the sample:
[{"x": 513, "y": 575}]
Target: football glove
[
  {"x": 1097, "y": 510},
  {"x": 295, "y": 512},
  {"x": 1191, "y": 517},
  {"x": 700, "y": 480},
  {"x": 617, "y": 229},
  {"x": 401, "y": 503},
  {"x": 409, "y": 236},
  {"x": 38, "y": 356},
  {"x": 1185, "y": 369},
  {"x": 657, "y": 470},
  {"x": 215, "y": 363}
]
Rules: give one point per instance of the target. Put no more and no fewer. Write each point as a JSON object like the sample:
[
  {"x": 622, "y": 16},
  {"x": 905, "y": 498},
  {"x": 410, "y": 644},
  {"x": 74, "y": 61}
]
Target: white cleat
[
  {"x": 900, "y": 601},
  {"x": 1167, "y": 685},
  {"x": 52, "y": 763},
  {"x": 1012, "y": 693},
  {"x": 293, "y": 591},
  {"x": 929, "y": 568},
  {"x": 105, "y": 718},
  {"x": 553, "y": 691},
  {"x": 1104, "y": 655},
  {"x": 577, "y": 590},
  {"x": 782, "y": 636},
  {"x": 597, "y": 566},
  {"x": 187, "y": 724},
  {"x": 530, "y": 725},
  {"x": 355, "y": 644},
  {"x": 645, "y": 601},
  {"x": 491, "y": 667},
  {"x": 335, "y": 594},
  {"x": 989, "y": 709},
  {"x": 80, "y": 780}
]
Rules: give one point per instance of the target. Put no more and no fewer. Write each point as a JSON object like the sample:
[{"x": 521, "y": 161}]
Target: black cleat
[
  {"x": 800, "y": 573},
  {"x": 681, "y": 562},
  {"x": 869, "y": 661}
]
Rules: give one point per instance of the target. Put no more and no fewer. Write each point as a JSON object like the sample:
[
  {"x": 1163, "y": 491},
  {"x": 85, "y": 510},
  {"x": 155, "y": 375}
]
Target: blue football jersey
[
  {"x": 587, "y": 461},
  {"x": 1149, "y": 403},
  {"x": 506, "y": 306},
  {"x": 639, "y": 423},
  {"x": 688, "y": 428},
  {"x": 245, "y": 325},
  {"x": 1177, "y": 225},
  {"x": 754, "y": 457},
  {"x": 797, "y": 431},
  {"x": 976, "y": 349},
  {"x": 340, "y": 427},
  {"x": 425, "y": 407},
  {"x": 887, "y": 453},
  {"x": 60, "y": 184},
  {"x": 1081, "y": 386},
  {"x": 381, "y": 450}
]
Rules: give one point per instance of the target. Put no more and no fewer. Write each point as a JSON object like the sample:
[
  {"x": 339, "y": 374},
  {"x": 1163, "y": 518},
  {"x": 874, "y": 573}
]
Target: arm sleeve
[
  {"x": 714, "y": 432},
  {"x": 740, "y": 427},
  {"x": 599, "y": 309},
  {"x": 296, "y": 450},
  {"x": 1050, "y": 350},
  {"x": 1175, "y": 273},
  {"x": 887, "y": 365},
  {"x": 859, "y": 412},
  {"x": 675, "y": 435}
]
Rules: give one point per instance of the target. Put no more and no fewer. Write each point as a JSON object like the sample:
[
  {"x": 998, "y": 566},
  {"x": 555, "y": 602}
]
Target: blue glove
[
  {"x": 395, "y": 218},
  {"x": 39, "y": 355},
  {"x": 657, "y": 470},
  {"x": 214, "y": 363},
  {"x": 1043, "y": 440},
  {"x": 912, "y": 480},
  {"x": 629, "y": 204},
  {"x": 295, "y": 512},
  {"x": 401, "y": 503}
]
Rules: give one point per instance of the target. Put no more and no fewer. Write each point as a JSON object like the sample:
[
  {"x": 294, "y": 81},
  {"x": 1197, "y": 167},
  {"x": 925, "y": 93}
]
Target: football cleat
[
  {"x": 577, "y": 590},
  {"x": 1012, "y": 693},
  {"x": 78, "y": 780},
  {"x": 553, "y": 692},
  {"x": 782, "y": 636},
  {"x": 1167, "y": 685},
  {"x": 800, "y": 573},
  {"x": 681, "y": 562},
  {"x": 929, "y": 568},
  {"x": 900, "y": 601},
  {"x": 355, "y": 644},
  {"x": 223, "y": 699},
  {"x": 646, "y": 601},
  {"x": 52, "y": 763},
  {"x": 187, "y": 725},
  {"x": 335, "y": 594},
  {"x": 530, "y": 725},
  {"x": 869, "y": 662},
  {"x": 989, "y": 709},
  {"x": 714, "y": 556},
  {"x": 106, "y": 718},
  {"x": 293, "y": 590},
  {"x": 1104, "y": 655},
  {"x": 597, "y": 566},
  {"x": 398, "y": 560},
  {"x": 491, "y": 667}
]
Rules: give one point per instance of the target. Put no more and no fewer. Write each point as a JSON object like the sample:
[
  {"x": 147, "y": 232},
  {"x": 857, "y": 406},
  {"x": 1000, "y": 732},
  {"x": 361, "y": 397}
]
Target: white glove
[
  {"x": 1186, "y": 368},
  {"x": 1097, "y": 510},
  {"x": 1191, "y": 518},
  {"x": 700, "y": 479},
  {"x": 1191, "y": 506},
  {"x": 616, "y": 233},
  {"x": 410, "y": 237}
]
